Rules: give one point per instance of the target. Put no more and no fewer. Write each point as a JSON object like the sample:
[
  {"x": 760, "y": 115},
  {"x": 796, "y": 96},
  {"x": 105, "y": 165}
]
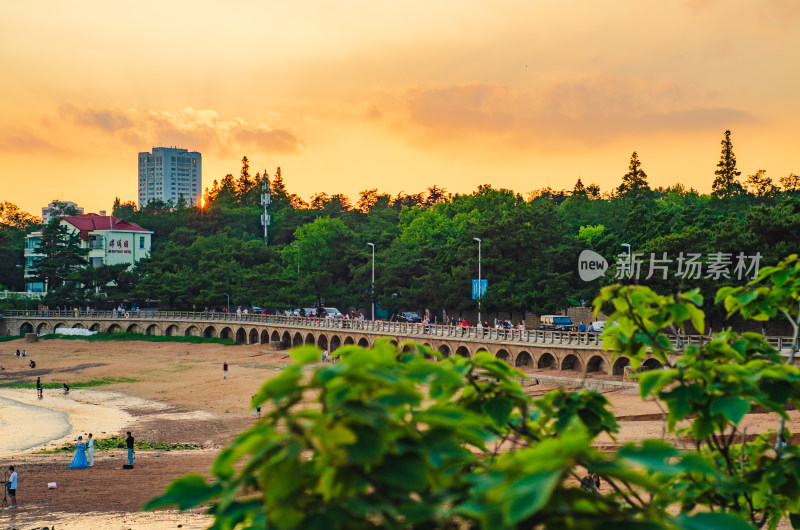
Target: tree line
[{"x": 425, "y": 255}]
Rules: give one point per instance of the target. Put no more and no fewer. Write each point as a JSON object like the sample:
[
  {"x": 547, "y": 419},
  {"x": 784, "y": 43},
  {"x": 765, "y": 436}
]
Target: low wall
[{"x": 580, "y": 382}]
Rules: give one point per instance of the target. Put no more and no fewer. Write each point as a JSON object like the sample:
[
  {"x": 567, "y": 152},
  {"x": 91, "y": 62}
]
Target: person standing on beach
[
  {"x": 79, "y": 460},
  {"x": 12, "y": 488},
  {"x": 129, "y": 443},
  {"x": 39, "y": 387},
  {"x": 90, "y": 450},
  {"x": 225, "y": 370}
]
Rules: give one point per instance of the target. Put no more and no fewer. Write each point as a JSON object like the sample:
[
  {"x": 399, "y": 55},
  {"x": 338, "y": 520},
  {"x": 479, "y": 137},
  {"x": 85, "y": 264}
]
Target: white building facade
[
  {"x": 169, "y": 173},
  {"x": 110, "y": 241}
]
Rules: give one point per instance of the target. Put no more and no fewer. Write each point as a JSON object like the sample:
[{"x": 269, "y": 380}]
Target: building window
[{"x": 141, "y": 241}]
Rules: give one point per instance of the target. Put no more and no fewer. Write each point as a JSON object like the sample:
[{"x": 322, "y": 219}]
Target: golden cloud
[
  {"x": 586, "y": 111},
  {"x": 201, "y": 129}
]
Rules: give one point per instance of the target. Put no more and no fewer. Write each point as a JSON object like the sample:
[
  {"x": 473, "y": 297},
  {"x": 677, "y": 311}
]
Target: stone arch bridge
[{"x": 578, "y": 353}]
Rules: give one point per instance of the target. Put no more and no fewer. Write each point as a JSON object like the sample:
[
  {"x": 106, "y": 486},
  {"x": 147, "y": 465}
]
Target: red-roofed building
[{"x": 110, "y": 241}]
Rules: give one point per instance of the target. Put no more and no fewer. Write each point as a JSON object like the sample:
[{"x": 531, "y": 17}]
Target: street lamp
[
  {"x": 229, "y": 301},
  {"x": 629, "y": 249},
  {"x": 372, "y": 289},
  {"x": 479, "y": 276}
]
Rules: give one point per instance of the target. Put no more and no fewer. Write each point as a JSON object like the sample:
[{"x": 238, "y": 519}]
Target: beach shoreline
[{"x": 34, "y": 424}]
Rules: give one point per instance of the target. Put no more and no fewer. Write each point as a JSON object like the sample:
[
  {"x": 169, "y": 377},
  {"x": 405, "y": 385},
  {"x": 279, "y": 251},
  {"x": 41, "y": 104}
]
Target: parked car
[
  {"x": 597, "y": 327},
  {"x": 555, "y": 323},
  {"x": 333, "y": 312},
  {"x": 408, "y": 316}
]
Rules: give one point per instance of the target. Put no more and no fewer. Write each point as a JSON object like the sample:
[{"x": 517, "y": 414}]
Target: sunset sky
[{"x": 399, "y": 96}]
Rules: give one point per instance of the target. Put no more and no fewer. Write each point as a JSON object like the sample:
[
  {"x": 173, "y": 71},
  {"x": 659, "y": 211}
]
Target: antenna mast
[{"x": 265, "y": 198}]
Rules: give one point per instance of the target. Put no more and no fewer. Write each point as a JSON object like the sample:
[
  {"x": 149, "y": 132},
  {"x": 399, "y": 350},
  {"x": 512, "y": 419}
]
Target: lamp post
[
  {"x": 479, "y": 276},
  {"x": 372, "y": 289},
  {"x": 298, "y": 258},
  {"x": 229, "y": 301},
  {"x": 629, "y": 249}
]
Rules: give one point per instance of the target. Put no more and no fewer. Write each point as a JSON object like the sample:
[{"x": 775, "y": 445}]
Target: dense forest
[{"x": 425, "y": 252}]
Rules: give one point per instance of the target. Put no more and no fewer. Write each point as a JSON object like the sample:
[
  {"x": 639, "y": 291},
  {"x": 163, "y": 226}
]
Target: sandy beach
[
  {"x": 173, "y": 393},
  {"x": 179, "y": 396}
]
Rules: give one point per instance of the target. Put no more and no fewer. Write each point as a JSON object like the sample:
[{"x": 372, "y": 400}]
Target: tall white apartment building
[{"x": 169, "y": 172}]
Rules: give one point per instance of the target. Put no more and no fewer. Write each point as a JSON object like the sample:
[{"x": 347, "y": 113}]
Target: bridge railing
[{"x": 422, "y": 331}]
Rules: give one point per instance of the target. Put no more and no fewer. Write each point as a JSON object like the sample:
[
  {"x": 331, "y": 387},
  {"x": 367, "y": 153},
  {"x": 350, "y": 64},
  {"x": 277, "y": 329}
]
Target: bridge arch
[
  {"x": 286, "y": 340},
  {"x": 153, "y": 329},
  {"x": 596, "y": 364},
  {"x": 115, "y": 328},
  {"x": 363, "y": 342},
  {"x": 264, "y": 336},
  {"x": 322, "y": 341},
  {"x": 463, "y": 351},
  {"x": 523, "y": 359},
  {"x": 444, "y": 349},
  {"x": 619, "y": 366},
  {"x": 210, "y": 332},
  {"x": 503, "y": 354},
  {"x": 173, "y": 330},
  {"x": 78, "y": 325},
  {"x": 94, "y": 327},
  {"x": 310, "y": 340},
  {"x": 297, "y": 340},
  {"x": 25, "y": 327},
  {"x": 276, "y": 337},
  {"x": 571, "y": 363},
  {"x": 652, "y": 364},
  {"x": 546, "y": 361},
  {"x": 134, "y": 328},
  {"x": 59, "y": 325},
  {"x": 42, "y": 328},
  {"x": 252, "y": 337},
  {"x": 336, "y": 342},
  {"x": 240, "y": 336},
  {"x": 191, "y": 331},
  {"x": 226, "y": 333}
]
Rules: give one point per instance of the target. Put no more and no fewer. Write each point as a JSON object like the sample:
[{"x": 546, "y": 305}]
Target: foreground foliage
[{"x": 395, "y": 439}]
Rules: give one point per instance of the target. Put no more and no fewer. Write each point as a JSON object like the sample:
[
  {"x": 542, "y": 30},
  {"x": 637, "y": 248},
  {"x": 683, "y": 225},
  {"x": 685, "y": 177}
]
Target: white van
[{"x": 332, "y": 312}]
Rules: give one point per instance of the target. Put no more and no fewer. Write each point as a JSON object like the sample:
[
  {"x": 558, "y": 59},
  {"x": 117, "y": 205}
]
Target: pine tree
[
  {"x": 246, "y": 184},
  {"x": 634, "y": 183},
  {"x": 62, "y": 254},
  {"x": 579, "y": 190},
  {"x": 726, "y": 183}
]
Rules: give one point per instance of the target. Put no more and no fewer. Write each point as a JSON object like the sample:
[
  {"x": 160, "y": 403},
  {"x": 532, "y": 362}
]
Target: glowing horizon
[{"x": 397, "y": 97}]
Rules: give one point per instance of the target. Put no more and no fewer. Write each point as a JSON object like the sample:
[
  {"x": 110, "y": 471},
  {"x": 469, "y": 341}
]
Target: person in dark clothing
[{"x": 129, "y": 443}]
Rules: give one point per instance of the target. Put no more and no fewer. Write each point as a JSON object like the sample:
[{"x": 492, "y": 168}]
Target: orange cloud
[
  {"x": 27, "y": 143},
  {"x": 201, "y": 129},
  {"x": 589, "y": 111}
]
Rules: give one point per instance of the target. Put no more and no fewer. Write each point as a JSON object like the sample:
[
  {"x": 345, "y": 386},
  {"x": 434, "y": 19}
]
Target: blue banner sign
[{"x": 484, "y": 283}]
